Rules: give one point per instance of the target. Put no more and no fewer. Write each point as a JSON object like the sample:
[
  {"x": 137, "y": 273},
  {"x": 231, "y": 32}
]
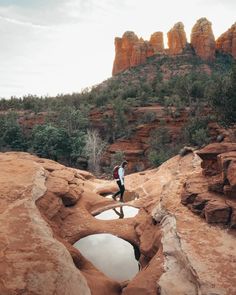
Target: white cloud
[{"x": 55, "y": 46}]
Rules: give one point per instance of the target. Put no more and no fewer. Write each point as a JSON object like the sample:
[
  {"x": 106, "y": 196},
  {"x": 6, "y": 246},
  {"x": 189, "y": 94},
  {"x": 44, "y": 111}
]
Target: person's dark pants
[{"x": 120, "y": 192}]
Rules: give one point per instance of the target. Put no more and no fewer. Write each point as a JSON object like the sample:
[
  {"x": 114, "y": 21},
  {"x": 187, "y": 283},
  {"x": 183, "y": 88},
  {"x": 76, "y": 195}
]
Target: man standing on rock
[{"x": 120, "y": 181}]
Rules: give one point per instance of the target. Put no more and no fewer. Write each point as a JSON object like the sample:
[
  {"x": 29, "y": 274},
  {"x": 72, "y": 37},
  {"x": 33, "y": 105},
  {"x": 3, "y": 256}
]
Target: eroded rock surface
[
  {"x": 178, "y": 251},
  {"x": 177, "y": 39},
  {"x": 131, "y": 51},
  {"x": 32, "y": 261},
  {"x": 203, "y": 40},
  {"x": 212, "y": 192},
  {"x": 227, "y": 41}
]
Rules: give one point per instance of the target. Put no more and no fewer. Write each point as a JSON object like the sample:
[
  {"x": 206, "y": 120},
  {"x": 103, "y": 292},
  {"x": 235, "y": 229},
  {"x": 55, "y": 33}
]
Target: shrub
[
  {"x": 196, "y": 131},
  {"x": 158, "y": 157}
]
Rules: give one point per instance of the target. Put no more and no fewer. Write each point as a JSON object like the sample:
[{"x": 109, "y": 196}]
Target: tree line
[{"x": 67, "y": 135}]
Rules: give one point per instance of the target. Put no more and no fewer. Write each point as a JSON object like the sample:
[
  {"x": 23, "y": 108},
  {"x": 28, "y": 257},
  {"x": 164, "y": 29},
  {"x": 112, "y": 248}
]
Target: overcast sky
[{"x": 50, "y": 47}]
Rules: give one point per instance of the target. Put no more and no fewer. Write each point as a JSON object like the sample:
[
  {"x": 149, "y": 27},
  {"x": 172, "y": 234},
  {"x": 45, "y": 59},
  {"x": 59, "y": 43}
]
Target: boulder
[
  {"x": 217, "y": 211},
  {"x": 71, "y": 197}
]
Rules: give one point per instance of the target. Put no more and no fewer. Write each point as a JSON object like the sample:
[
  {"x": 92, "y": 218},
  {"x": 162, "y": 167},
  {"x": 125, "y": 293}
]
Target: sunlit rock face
[
  {"x": 203, "y": 40},
  {"x": 123, "y": 51},
  {"x": 177, "y": 39},
  {"x": 227, "y": 41},
  {"x": 32, "y": 260},
  {"x": 46, "y": 207},
  {"x": 156, "y": 41},
  {"x": 131, "y": 51}
]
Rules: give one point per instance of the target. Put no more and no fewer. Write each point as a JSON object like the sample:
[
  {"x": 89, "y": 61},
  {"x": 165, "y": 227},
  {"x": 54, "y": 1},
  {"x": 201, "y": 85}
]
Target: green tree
[
  {"x": 11, "y": 133},
  {"x": 223, "y": 97},
  {"x": 78, "y": 142},
  {"x": 196, "y": 131},
  {"x": 51, "y": 142},
  {"x": 160, "y": 146},
  {"x": 73, "y": 119}
]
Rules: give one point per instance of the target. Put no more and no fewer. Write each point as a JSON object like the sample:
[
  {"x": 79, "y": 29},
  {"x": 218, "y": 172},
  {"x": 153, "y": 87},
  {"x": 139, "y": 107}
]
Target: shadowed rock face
[
  {"x": 46, "y": 207},
  {"x": 212, "y": 193},
  {"x": 227, "y": 41}
]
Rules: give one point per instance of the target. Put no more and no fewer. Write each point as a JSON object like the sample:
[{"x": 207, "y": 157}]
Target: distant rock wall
[
  {"x": 177, "y": 39},
  {"x": 227, "y": 41},
  {"x": 203, "y": 40},
  {"x": 131, "y": 51}
]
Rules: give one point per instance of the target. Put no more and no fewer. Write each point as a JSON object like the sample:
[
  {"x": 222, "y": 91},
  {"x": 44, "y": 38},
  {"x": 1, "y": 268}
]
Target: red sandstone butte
[
  {"x": 123, "y": 51},
  {"x": 156, "y": 41},
  {"x": 203, "y": 40},
  {"x": 131, "y": 51},
  {"x": 177, "y": 39},
  {"x": 227, "y": 41}
]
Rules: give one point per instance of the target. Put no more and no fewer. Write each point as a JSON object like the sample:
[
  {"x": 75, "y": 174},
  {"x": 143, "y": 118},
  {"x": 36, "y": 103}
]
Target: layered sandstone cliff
[
  {"x": 156, "y": 41},
  {"x": 177, "y": 39},
  {"x": 203, "y": 40},
  {"x": 131, "y": 50},
  {"x": 227, "y": 41}
]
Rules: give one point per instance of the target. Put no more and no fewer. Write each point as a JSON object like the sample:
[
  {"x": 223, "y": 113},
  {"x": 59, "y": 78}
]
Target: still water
[
  {"x": 123, "y": 212},
  {"x": 110, "y": 254}
]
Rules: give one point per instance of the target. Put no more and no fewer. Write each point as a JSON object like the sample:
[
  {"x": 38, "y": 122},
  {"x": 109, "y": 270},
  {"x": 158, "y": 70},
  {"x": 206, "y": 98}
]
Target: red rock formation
[
  {"x": 177, "y": 39},
  {"x": 32, "y": 260},
  {"x": 156, "y": 41},
  {"x": 139, "y": 53},
  {"x": 123, "y": 51},
  {"x": 131, "y": 51},
  {"x": 227, "y": 41},
  {"x": 172, "y": 241},
  {"x": 203, "y": 40},
  {"x": 213, "y": 193}
]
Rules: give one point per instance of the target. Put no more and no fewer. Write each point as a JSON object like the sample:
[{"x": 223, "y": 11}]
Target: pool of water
[
  {"x": 122, "y": 212},
  {"x": 110, "y": 254}
]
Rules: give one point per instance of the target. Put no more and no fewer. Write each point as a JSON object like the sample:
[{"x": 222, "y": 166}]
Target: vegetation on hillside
[{"x": 177, "y": 83}]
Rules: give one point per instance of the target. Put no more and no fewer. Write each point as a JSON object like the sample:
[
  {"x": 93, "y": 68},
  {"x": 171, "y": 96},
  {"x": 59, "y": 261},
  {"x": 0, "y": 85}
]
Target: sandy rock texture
[
  {"x": 32, "y": 261},
  {"x": 46, "y": 207},
  {"x": 203, "y": 40},
  {"x": 177, "y": 39},
  {"x": 130, "y": 50},
  {"x": 227, "y": 41}
]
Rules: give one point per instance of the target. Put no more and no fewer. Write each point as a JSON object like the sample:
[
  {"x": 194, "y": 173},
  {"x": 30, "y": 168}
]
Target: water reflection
[
  {"x": 110, "y": 254},
  {"x": 119, "y": 212}
]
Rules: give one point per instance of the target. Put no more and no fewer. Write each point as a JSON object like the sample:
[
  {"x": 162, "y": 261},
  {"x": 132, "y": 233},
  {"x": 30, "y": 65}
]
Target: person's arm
[{"x": 121, "y": 175}]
